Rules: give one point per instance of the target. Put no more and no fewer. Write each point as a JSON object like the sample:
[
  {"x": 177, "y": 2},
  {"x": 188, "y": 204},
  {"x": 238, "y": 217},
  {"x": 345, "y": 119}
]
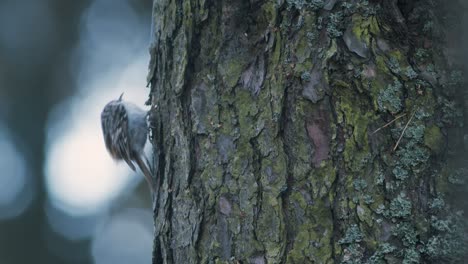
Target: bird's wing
[
  {"x": 114, "y": 121},
  {"x": 105, "y": 124},
  {"x": 121, "y": 140}
]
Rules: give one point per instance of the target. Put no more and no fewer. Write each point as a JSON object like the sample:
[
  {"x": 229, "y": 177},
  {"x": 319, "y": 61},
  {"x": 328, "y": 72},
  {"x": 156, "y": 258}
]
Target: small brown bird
[{"x": 125, "y": 133}]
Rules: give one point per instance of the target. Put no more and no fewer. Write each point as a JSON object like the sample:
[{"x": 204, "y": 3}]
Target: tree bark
[{"x": 273, "y": 133}]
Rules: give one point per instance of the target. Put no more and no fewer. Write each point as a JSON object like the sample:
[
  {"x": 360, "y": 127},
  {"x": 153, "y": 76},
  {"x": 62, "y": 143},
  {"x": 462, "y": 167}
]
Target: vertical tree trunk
[{"x": 266, "y": 117}]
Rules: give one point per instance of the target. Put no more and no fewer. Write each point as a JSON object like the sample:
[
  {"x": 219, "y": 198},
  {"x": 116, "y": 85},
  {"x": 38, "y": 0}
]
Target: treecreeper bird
[{"x": 125, "y": 133}]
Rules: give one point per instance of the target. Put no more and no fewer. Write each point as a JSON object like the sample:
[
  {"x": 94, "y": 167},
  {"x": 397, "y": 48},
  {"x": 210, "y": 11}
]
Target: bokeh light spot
[
  {"x": 13, "y": 177},
  {"x": 126, "y": 238},
  {"x": 81, "y": 177}
]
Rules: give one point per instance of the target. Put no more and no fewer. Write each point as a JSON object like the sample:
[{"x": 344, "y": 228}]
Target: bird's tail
[{"x": 146, "y": 172}]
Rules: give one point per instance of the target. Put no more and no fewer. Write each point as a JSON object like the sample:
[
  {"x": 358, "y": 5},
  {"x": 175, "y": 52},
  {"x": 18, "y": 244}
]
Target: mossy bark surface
[{"x": 265, "y": 124}]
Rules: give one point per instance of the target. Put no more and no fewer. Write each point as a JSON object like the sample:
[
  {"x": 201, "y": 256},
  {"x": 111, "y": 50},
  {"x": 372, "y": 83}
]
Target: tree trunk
[{"x": 306, "y": 131}]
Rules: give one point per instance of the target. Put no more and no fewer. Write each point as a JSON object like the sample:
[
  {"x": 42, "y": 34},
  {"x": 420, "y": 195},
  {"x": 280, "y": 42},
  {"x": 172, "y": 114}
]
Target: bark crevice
[{"x": 266, "y": 118}]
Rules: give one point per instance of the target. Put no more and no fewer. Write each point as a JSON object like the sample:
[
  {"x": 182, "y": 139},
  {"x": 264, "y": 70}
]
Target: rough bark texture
[{"x": 263, "y": 124}]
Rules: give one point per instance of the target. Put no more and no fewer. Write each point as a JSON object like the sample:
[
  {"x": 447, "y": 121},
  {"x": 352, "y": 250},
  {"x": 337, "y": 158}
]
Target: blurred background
[{"x": 62, "y": 198}]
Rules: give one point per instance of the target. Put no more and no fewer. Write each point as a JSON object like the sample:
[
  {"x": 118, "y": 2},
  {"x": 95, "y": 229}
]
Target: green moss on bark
[{"x": 267, "y": 125}]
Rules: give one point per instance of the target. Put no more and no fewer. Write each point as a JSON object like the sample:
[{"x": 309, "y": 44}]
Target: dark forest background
[
  {"x": 48, "y": 51},
  {"x": 42, "y": 43}
]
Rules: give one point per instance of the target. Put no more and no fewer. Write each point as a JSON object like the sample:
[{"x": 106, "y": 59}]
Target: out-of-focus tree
[
  {"x": 308, "y": 131},
  {"x": 43, "y": 78},
  {"x": 37, "y": 37}
]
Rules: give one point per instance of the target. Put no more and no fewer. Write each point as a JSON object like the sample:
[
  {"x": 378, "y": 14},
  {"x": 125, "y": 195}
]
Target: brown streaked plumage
[{"x": 125, "y": 133}]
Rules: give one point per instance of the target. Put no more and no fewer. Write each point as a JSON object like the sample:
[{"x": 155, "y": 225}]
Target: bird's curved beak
[{"x": 120, "y": 98}]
